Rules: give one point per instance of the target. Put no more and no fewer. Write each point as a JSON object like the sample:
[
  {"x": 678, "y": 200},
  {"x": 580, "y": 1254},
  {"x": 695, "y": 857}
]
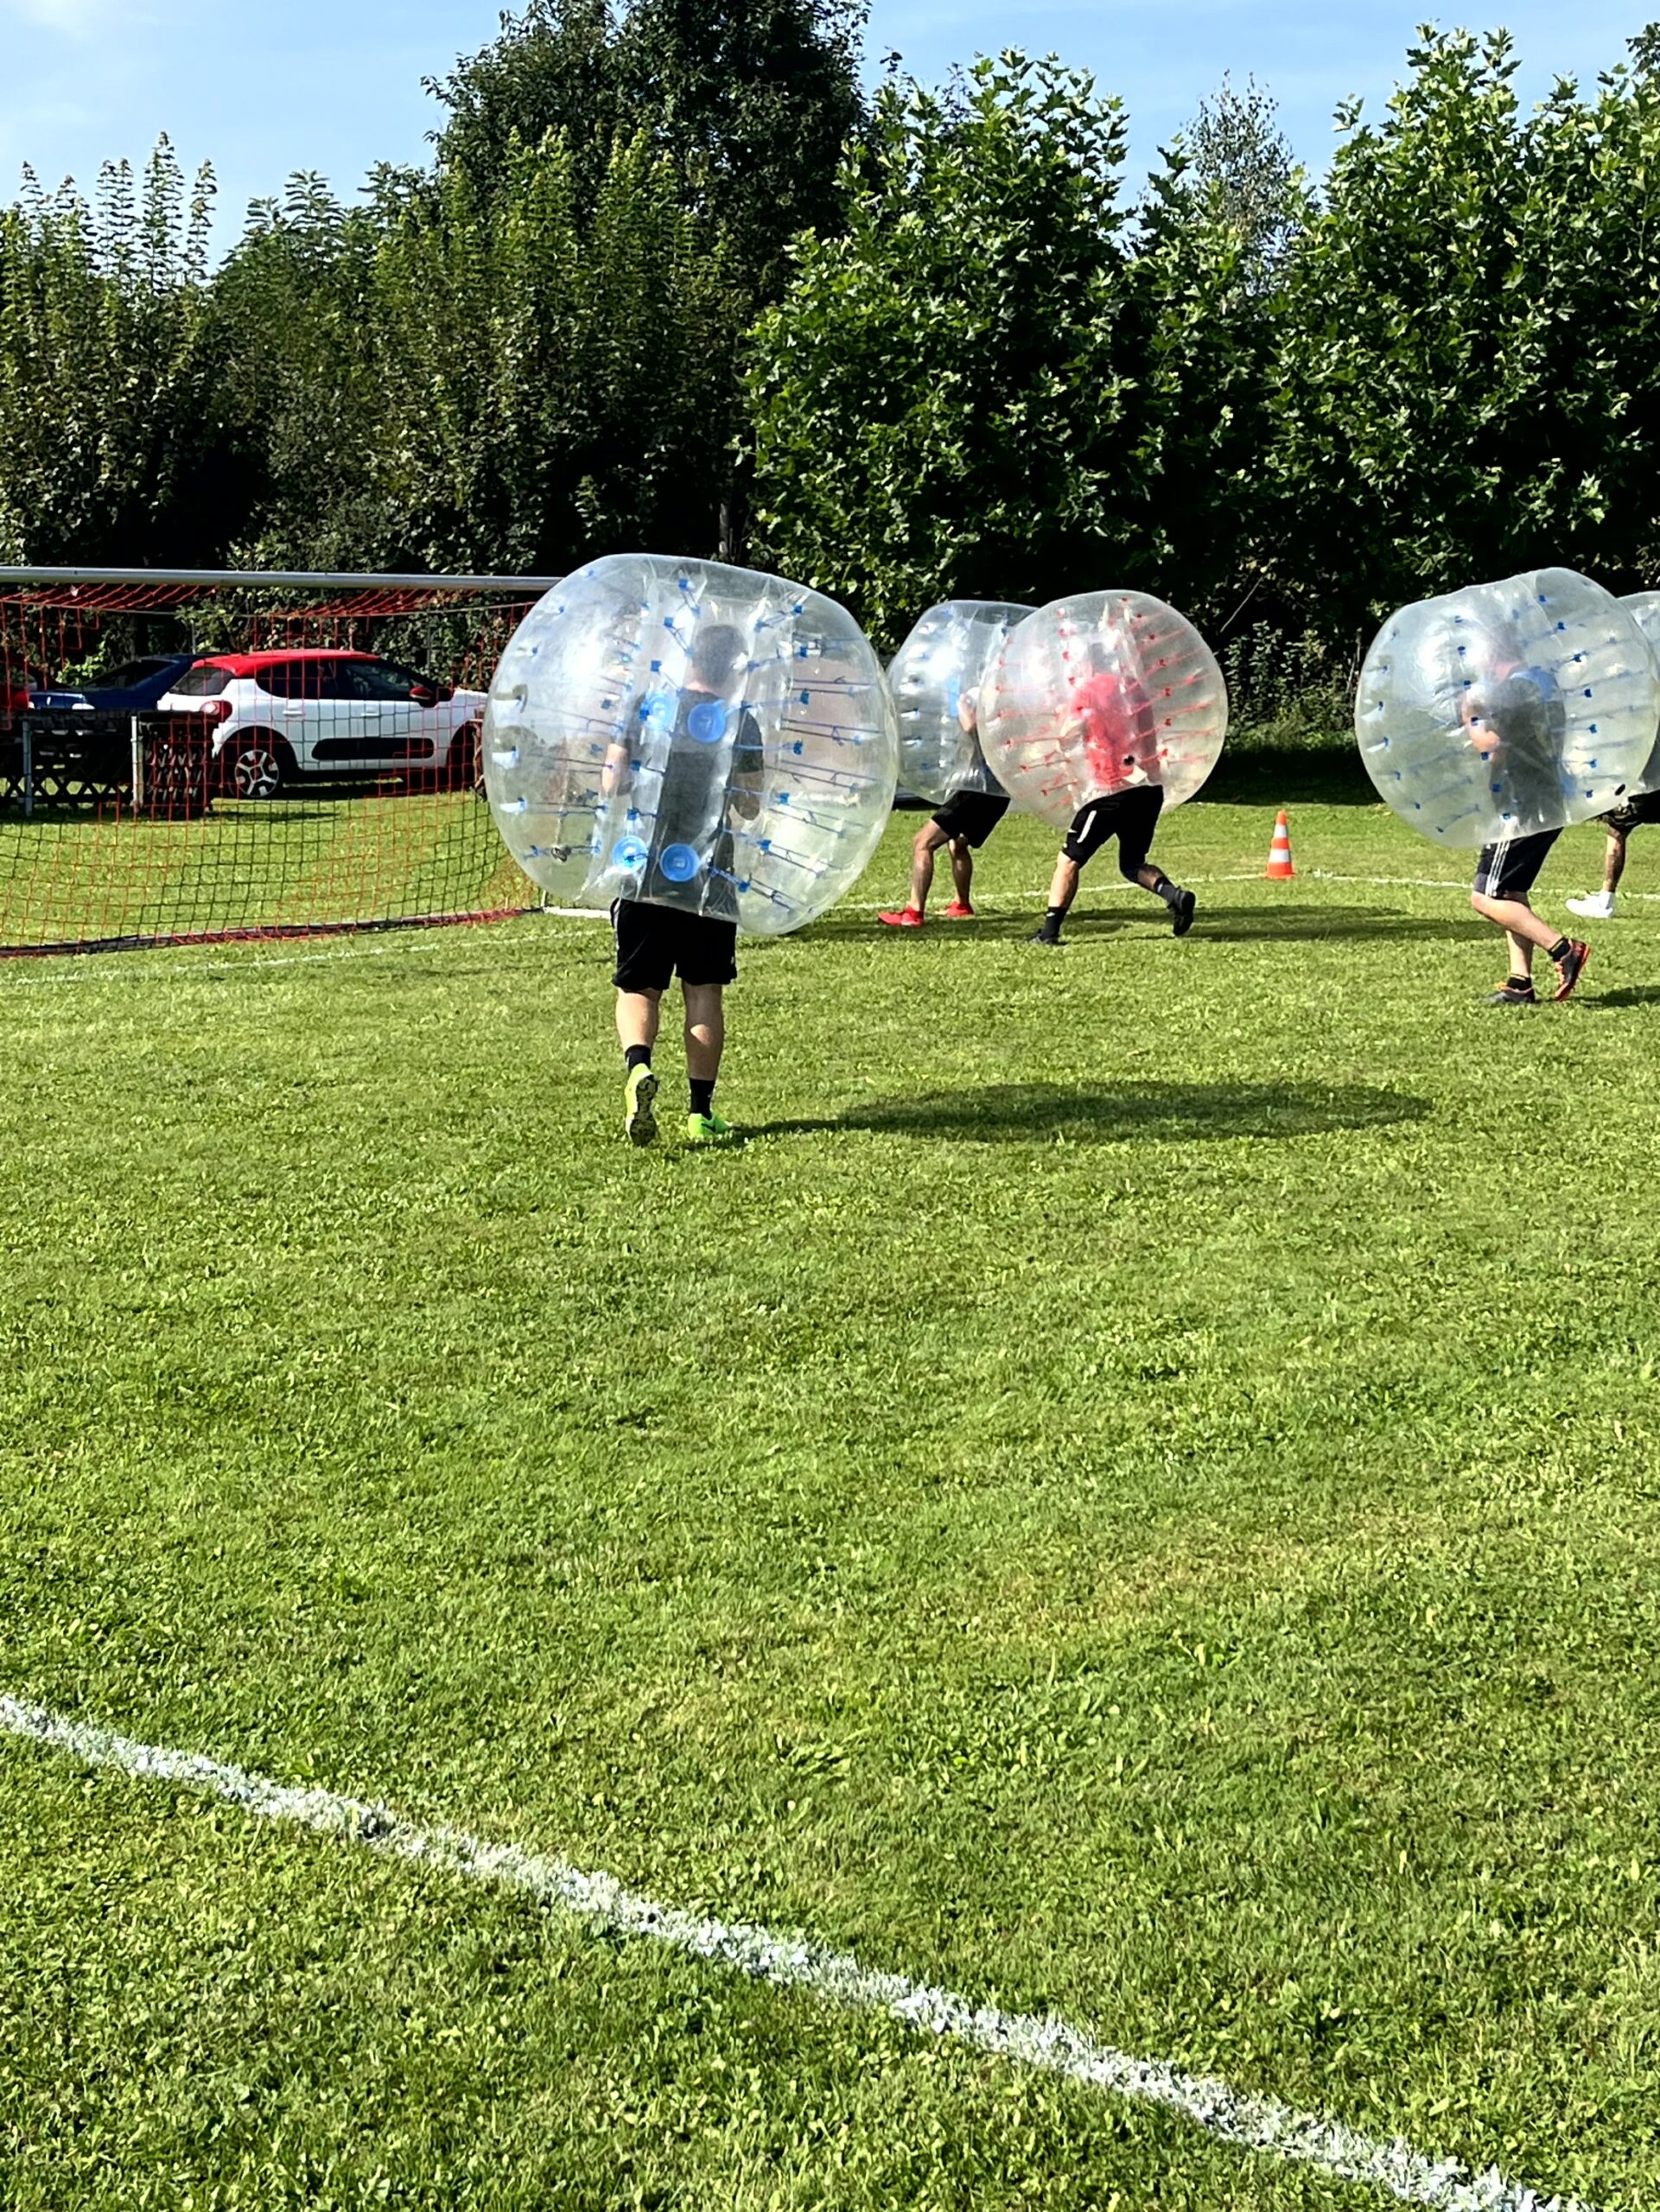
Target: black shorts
[
  {"x": 971, "y": 816},
  {"x": 1510, "y": 869},
  {"x": 1131, "y": 816},
  {"x": 656, "y": 943},
  {"x": 1644, "y": 808}
]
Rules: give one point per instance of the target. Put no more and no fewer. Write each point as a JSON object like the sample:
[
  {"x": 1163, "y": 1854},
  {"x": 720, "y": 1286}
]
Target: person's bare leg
[
  {"x": 962, "y": 870},
  {"x": 1063, "y": 885},
  {"x": 927, "y": 843},
  {"x": 1522, "y": 926},
  {"x": 705, "y": 1031},
  {"x": 1063, "y": 889},
  {"x": 638, "y": 1015},
  {"x": 1613, "y": 862}
]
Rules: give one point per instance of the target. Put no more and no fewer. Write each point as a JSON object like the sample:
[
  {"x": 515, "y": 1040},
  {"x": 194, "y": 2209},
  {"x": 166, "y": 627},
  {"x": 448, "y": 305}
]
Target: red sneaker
[
  {"x": 956, "y": 912},
  {"x": 907, "y": 918}
]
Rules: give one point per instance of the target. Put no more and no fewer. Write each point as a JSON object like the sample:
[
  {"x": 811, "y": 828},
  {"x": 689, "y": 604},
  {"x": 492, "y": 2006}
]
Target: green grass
[
  {"x": 307, "y": 860},
  {"x": 1134, "y": 1491}
]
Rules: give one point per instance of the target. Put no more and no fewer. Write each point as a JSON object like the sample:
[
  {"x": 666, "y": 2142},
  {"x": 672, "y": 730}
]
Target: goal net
[{"x": 198, "y": 757}]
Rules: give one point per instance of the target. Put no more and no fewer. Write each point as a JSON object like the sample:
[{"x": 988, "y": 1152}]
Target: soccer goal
[{"x": 198, "y": 757}]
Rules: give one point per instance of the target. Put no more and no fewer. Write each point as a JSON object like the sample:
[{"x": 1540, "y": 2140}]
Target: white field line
[{"x": 1042, "y": 2042}]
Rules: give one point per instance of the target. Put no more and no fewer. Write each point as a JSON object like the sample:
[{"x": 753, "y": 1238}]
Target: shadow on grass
[
  {"x": 1631, "y": 994},
  {"x": 1285, "y": 919},
  {"x": 987, "y": 927},
  {"x": 1146, "y": 1113}
]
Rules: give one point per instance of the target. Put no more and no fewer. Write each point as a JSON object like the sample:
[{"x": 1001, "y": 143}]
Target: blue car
[{"x": 132, "y": 689}]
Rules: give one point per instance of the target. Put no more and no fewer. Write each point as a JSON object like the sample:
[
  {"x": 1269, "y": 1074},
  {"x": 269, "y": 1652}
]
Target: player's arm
[
  {"x": 614, "y": 766},
  {"x": 748, "y": 770}
]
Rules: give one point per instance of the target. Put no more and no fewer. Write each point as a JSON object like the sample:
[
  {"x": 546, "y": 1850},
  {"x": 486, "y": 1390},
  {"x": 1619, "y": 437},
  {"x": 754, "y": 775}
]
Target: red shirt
[{"x": 1121, "y": 747}]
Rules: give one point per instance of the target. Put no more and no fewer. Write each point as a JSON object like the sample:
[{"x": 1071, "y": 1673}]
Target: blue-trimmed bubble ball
[
  {"x": 691, "y": 735},
  {"x": 1099, "y": 694},
  {"x": 1508, "y": 708},
  {"x": 935, "y": 678},
  {"x": 1644, "y": 607}
]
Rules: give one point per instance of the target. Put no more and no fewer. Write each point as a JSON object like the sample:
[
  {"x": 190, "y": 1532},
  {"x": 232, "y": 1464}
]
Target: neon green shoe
[
  {"x": 709, "y": 1129},
  {"x": 638, "y": 1096}
]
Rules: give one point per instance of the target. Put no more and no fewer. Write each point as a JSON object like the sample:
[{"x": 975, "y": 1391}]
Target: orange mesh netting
[{"x": 317, "y": 772}]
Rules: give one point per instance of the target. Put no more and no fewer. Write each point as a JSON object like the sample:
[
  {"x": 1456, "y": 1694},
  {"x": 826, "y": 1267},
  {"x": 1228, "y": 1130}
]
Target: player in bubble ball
[
  {"x": 963, "y": 823},
  {"x": 657, "y": 941},
  {"x": 1121, "y": 747},
  {"x": 1515, "y": 721}
]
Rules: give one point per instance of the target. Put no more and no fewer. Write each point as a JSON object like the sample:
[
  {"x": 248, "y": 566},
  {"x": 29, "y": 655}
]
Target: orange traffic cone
[{"x": 1279, "y": 868}]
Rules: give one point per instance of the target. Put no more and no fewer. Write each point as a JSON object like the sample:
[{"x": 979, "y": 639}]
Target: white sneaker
[{"x": 1596, "y": 906}]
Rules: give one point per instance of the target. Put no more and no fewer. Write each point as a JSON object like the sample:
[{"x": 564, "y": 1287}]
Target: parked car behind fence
[{"x": 279, "y": 718}]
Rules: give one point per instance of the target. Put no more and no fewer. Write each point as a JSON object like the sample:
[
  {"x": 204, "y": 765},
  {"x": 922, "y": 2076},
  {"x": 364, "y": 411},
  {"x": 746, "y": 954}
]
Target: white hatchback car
[{"x": 279, "y": 717}]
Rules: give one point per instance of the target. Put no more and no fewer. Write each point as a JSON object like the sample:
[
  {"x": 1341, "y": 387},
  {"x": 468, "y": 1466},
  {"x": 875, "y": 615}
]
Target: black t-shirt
[
  {"x": 710, "y": 745},
  {"x": 1528, "y": 714}
]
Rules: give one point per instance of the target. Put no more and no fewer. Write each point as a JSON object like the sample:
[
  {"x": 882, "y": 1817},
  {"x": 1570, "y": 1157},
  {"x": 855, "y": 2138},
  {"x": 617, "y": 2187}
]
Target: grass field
[
  {"x": 307, "y": 861},
  {"x": 1134, "y": 1493}
]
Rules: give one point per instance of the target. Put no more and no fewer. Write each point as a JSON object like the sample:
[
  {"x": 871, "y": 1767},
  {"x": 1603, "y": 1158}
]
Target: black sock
[
  {"x": 636, "y": 1056},
  {"x": 702, "y": 1095},
  {"x": 1170, "y": 893},
  {"x": 1557, "y": 951},
  {"x": 1052, "y": 920},
  {"x": 1520, "y": 982}
]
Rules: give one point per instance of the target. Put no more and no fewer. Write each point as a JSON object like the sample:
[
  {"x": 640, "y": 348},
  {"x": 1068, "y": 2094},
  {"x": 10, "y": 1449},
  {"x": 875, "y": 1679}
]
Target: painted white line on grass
[
  {"x": 1418, "y": 883},
  {"x": 1053, "y": 2046}
]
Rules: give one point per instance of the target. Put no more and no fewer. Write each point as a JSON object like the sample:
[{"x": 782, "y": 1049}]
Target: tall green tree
[
  {"x": 998, "y": 383},
  {"x": 1468, "y": 379},
  {"x": 498, "y": 377},
  {"x": 115, "y": 444},
  {"x": 751, "y": 100},
  {"x": 1237, "y": 167}
]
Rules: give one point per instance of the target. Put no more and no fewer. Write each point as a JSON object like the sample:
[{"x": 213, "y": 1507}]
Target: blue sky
[{"x": 335, "y": 84}]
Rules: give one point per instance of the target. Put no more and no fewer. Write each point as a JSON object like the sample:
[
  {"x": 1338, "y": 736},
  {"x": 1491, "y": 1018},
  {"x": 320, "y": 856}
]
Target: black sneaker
[
  {"x": 1181, "y": 914},
  {"x": 1570, "y": 968},
  {"x": 1518, "y": 991},
  {"x": 1046, "y": 936}
]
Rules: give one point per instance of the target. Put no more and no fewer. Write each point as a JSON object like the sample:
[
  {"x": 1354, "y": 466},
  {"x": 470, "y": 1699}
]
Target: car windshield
[
  {"x": 131, "y": 673},
  {"x": 204, "y": 683}
]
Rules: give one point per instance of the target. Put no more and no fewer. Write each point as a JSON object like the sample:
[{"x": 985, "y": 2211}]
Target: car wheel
[
  {"x": 461, "y": 761},
  {"x": 258, "y": 766}
]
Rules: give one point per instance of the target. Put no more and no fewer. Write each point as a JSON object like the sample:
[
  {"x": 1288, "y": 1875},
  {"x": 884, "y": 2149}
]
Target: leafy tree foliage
[
  {"x": 1239, "y": 168},
  {"x": 751, "y": 100},
  {"x": 994, "y": 383},
  {"x": 1466, "y": 381},
  {"x": 111, "y": 429},
  {"x": 514, "y": 383},
  {"x": 958, "y": 363}
]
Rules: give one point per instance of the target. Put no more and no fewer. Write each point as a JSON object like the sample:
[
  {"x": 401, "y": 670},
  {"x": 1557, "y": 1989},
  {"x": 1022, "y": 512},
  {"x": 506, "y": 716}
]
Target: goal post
[{"x": 196, "y": 756}]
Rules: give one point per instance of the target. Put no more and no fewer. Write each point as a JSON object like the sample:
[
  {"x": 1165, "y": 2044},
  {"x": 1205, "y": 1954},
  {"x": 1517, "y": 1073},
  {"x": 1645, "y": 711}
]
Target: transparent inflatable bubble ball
[
  {"x": 694, "y": 736},
  {"x": 1644, "y": 607},
  {"x": 1508, "y": 708},
  {"x": 1097, "y": 695},
  {"x": 935, "y": 678}
]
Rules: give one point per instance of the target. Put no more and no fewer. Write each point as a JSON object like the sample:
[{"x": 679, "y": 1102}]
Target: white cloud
[{"x": 74, "y": 18}]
